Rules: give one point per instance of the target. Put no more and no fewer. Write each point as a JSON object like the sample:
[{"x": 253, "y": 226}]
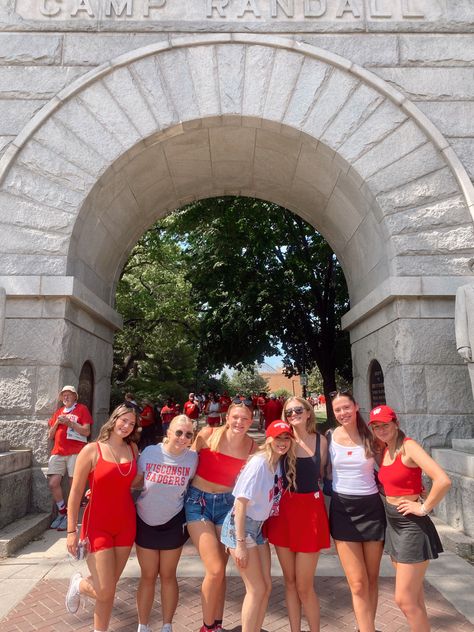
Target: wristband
[
  {"x": 424, "y": 510},
  {"x": 68, "y": 532}
]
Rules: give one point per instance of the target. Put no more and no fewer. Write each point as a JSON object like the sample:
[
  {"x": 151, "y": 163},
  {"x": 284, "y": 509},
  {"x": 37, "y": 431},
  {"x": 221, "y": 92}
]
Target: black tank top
[{"x": 308, "y": 471}]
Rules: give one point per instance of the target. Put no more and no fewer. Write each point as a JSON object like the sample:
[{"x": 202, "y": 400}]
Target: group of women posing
[{"x": 235, "y": 498}]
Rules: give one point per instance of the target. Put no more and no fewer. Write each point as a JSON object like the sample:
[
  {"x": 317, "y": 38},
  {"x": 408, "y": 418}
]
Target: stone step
[
  {"x": 20, "y": 532},
  {"x": 454, "y": 540},
  {"x": 4, "y": 445},
  {"x": 463, "y": 445},
  {"x": 15, "y": 495},
  {"x": 14, "y": 460},
  {"x": 461, "y": 463}
]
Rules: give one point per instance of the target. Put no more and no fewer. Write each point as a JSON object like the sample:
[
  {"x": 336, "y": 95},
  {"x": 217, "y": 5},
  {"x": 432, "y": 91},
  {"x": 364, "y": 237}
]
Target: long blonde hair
[
  {"x": 106, "y": 430},
  {"x": 216, "y": 437}
]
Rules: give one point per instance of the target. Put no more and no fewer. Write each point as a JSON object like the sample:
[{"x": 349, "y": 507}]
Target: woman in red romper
[{"x": 109, "y": 521}]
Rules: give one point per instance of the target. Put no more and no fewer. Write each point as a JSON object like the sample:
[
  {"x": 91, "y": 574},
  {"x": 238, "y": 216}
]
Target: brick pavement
[{"x": 43, "y": 609}]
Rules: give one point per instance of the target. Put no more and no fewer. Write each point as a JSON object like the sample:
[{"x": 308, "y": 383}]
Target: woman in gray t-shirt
[{"x": 164, "y": 471}]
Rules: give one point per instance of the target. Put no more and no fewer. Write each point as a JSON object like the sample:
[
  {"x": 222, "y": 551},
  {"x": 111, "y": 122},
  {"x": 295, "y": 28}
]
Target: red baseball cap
[
  {"x": 382, "y": 415},
  {"x": 277, "y": 428}
]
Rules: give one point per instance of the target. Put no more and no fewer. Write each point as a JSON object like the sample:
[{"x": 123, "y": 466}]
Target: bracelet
[
  {"x": 240, "y": 539},
  {"x": 68, "y": 532},
  {"x": 424, "y": 510}
]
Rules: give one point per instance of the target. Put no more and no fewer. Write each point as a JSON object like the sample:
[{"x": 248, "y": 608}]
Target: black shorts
[
  {"x": 162, "y": 537},
  {"x": 357, "y": 518}
]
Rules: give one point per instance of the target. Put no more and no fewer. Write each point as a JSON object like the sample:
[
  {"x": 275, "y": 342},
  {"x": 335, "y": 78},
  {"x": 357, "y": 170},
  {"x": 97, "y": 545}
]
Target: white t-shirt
[
  {"x": 166, "y": 479},
  {"x": 352, "y": 472},
  {"x": 256, "y": 483}
]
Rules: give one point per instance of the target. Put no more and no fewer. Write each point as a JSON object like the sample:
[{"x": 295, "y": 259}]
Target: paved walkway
[{"x": 33, "y": 585}]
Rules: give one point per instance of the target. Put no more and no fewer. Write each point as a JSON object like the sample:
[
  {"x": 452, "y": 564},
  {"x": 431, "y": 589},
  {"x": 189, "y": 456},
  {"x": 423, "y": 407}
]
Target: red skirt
[{"x": 301, "y": 525}]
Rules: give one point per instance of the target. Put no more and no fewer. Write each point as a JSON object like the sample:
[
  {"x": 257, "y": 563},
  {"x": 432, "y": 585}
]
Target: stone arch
[{"x": 239, "y": 114}]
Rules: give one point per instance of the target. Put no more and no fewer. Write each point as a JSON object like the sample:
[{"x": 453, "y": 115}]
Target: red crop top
[
  {"x": 219, "y": 468},
  {"x": 398, "y": 479}
]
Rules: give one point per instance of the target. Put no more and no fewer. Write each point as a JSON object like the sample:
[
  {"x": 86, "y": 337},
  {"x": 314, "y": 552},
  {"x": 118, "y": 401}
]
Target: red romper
[{"x": 110, "y": 518}]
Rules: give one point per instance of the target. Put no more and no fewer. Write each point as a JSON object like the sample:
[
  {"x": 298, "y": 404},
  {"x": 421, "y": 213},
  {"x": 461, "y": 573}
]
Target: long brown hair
[
  {"x": 106, "y": 430},
  {"x": 217, "y": 435},
  {"x": 371, "y": 445}
]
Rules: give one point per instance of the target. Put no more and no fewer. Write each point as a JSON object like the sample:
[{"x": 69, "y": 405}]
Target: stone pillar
[
  {"x": 425, "y": 381},
  {"x": 46, "y": 341}
]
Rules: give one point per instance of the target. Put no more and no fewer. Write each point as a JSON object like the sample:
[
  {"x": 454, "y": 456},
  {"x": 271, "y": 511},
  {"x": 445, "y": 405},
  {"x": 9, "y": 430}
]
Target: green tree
[
  {"x": 247, "y": 381},
  {"x": 263, "y": 277}
]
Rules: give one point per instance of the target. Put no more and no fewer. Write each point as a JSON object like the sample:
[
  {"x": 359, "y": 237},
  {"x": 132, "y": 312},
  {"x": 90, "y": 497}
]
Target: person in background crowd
[
  {"x": 411, "y": 538},
  {"x": 272, "y": 409},
  {"x": 69, "y": 428},
  {"x": 147, "y": 423},
  {"x": 224, "y": 403},
  {"x": 109, "y": 521},
  {"x": 356, "y": 513},
  {"x": 222, "y": 454},
  {"x": 164, "y": 471},
  {"x": 261, "y": 402},
  {"x": 257, "y": 493},
  {"x": 191, "y": 408},
  {"x": 167, "y": 414},
  {"x": 301, "y": 530},
  {"x": 212, "y": 411},
  {"x": 129, "y": 400}
]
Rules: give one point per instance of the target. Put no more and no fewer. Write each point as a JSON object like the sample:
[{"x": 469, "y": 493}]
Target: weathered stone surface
[
  {"x": 30, "y": 48},
  {"x": 47, "y": 346},
  {"x": 422, "y": 84},
  {"x": 456, "y": 508},
  {"x": 452, "y": 118},
  {"x": 35, "y": 82},
  {"x": 92, "y": 49},
  {"x": 24, "y": 434},
  {"x": 464, "y": 148},
  {"x": 366, "y": 50},
  {"x": 443, "y": 214},
  {"x": 16, "y": 113},
  {"x": 436, "y": 50},
  {"x": 16, "y": 389},
  {"x": 15, "y": 490}
]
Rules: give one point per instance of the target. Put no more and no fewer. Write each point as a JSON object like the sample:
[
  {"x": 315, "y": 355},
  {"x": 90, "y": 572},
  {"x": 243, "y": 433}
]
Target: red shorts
[
  {"x": 109, "y": 534},
  {"x": 213, "y": 421},
  {"x": 301, "y": 525}
]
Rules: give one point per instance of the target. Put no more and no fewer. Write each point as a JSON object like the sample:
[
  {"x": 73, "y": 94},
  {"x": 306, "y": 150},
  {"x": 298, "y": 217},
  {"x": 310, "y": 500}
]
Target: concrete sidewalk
[{"x": 33, "y": 585}]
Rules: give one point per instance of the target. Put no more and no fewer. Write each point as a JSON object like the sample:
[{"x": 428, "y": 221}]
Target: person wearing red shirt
[
  {"x": 69, "y": 428},
  {"x": 191, "y": 407},
  {"x": 272, "y": 410},
  {"x": 168, "y": 412},
  {"x": 224, "y": 403},
  {"x": 261, "y": 402},
  {"x": 147, "y": 423}
]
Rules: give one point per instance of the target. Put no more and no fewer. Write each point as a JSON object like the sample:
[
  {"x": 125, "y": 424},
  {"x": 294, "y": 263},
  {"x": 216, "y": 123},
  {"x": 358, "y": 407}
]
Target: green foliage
[
  {"x": 247, "y": 381},
  {"x": 282, "y": 392}
]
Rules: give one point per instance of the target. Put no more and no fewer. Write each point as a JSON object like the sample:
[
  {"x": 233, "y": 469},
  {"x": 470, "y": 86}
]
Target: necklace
[{"x": 119, "y": 464}]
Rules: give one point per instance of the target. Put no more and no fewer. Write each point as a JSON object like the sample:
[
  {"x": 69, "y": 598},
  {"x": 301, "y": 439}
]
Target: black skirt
[
  {"x": 164, "y": 537},
  {"x": 410, "y": 539},
  {"x": 357, "y": 518}
]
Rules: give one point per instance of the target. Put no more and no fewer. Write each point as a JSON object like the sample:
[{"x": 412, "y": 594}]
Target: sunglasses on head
[
  {"x": 341, "y": 392},
  {"x": 297, "y": 410},
  {"x": 180, "y": 433}
]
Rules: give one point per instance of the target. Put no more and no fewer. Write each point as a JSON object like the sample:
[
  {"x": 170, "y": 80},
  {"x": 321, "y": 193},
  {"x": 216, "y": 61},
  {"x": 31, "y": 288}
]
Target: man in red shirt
[
  {"x": 191, "y": 407},
  {"x": 261, "y": 402},
  {"x": 224, "y": 403},
  {"x": 69, "y": 428},
  {"x": 272, "y": 410},
  {"x": 168, "y": 412},
  {"x": 147, "y": 422}
]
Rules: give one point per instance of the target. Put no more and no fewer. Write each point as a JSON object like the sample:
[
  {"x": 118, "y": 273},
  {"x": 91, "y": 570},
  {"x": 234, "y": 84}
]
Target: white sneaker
[
  {"x": 143, "y": 628},
  {"x": 73, "y": 596},
  {"x": 167, "y": 627}
]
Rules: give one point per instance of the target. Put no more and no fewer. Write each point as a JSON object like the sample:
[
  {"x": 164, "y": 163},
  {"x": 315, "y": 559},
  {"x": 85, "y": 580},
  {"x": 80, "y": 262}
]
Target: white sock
[{"x": 60, "y": 504}]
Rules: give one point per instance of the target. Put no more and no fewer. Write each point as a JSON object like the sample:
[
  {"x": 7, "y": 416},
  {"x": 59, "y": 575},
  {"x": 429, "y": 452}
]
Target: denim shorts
[
  {"x": 253, "y": 532},
  {"x": 207, "y": 507}
]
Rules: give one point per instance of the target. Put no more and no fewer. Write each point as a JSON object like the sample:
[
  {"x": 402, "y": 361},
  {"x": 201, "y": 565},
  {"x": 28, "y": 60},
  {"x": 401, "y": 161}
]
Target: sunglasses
[
  {"x": 297, "y": 410},
  {"x": 341, "y": 392},
  {"x": 180, "y": 433}
]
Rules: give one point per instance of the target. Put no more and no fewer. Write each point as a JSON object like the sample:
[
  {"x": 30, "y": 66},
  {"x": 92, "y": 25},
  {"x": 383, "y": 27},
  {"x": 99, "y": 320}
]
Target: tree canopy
[{"x": 226, "y": 282}]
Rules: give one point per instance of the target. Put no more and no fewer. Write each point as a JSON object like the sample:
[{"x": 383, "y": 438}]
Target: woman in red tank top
[
  {"x": 411, "y": 538},
  {"x": 222, "y": 454},
  {"x": 109, "y": 521}
]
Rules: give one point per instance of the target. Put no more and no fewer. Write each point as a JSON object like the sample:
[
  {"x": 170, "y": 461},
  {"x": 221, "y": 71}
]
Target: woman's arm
[
  {"x": 201, "y": 439},
  {"x": 85, "y": 463},
  {"x": 241, "y": 553},
  {"x": 324, "y": 455},
  {"x": 439, "y": 488}
]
